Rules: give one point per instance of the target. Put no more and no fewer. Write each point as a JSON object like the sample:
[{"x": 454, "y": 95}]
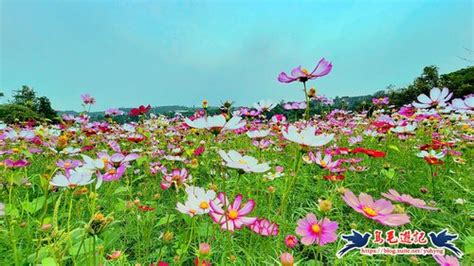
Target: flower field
[{"x": 241, "y": 187}]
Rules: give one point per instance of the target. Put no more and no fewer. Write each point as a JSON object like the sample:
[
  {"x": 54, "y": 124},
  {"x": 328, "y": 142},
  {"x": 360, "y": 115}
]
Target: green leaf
[
  {"x": 393, "y": 147},
  {"x": 35, "y": 205},
  {"x": 121, "y": 190},
  {"x": 48, "y": 262},
  {"x": 168, "y": 218},
  {"x": 469, "y": 245}
]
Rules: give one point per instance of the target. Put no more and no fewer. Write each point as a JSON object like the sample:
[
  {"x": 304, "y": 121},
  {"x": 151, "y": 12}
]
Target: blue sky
[{"x": 179, "y": 52}]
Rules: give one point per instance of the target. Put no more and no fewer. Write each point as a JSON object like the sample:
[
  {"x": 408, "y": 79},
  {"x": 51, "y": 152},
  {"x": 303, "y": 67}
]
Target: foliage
[
  {"x": 27, "y": 97},
  {"x": 13, "y": 113}
]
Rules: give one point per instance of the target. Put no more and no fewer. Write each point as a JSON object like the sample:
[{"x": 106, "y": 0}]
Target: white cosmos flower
[
  {"x": 466, "y": 104},
  {"x": 257, "y": 134},
  {"x": 92, "y": 164},
  {"x": 404, "y": 129},
  {"x": 437, "y": 97},
  {"x": 307, "y": 136},
  {"x": 76, "y": 177},
  {"x": 430, "y": 154},
  {"x": 216, "y": 122},
  {"x": 233, "y": 159},
  {"x": 264, "y": 105},
  {"x": 70, "y": 150},
  {"x": 198, "y": 201}
]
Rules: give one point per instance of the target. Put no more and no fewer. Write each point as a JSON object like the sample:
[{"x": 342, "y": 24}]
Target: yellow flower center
[
  {"x": 67, "y": 165},
  {"x": 369, "y": 211},
  {"x": 242, "y": 161},
  {"x": 305, "y": 71},
  {"x": 192, "y": 211},
  {"x": 315, "y": 228},
  {"x": 112, "y": 171},
  {"x": 204, "y": 205},
  {"x": 233, "y": 214},
  {"x": 15, "y": 150},
  {"x": 323, "y": 163}
]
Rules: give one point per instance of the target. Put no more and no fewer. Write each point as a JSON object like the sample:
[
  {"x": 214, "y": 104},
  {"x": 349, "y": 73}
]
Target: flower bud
[
  {"x": 204, "y": 249},
  {"x": 287, "y": 259},
  {"x": 325, "y": 205},
  {"x": 291, "y": 241}
]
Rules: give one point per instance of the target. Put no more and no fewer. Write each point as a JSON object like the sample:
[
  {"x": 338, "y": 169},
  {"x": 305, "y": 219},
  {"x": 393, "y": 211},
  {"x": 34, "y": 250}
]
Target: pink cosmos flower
[
  {"x": 311, "y": 230},
  {"x": 113, "y": 173},
  {"x": 291, "y": 241},
  {"x": 446, "y": 260},
  {"x": 177, "y": 177},
  {"x": 264, "y": 227},
  {"x": 381, "y": 210},
  {"x": 231, "y": 216},
  {"x": 294, "y": 105},
  {"x": 404, "y": 198},
  {"x": 302, "y": 74},
  {"x": 16, "y": 164},
  {"x": 68, "y": 164},
  {"x": 325, "y": 162},
  {"x": 113, "y": 112},
  {"x": 87, "y": 99},
  {"x": 380, "y": 101}
]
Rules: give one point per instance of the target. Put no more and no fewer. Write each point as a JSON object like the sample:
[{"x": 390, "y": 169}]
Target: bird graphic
[
  {"x": 355, "y": 240},
  {"x": 443, "y": 240}
]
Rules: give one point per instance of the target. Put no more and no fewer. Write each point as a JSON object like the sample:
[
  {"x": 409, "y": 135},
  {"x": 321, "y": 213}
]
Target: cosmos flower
[
  {"x": 295, "y": 106},
  {"x": 404, "y": 198},
  {"x": 431, "y": 157},
  {"x": 264, "y": 227},
  {"x": 307, "y": 136},
  {"x": 257, "y": 134},
  {"x": 321, "y": 232},
  {"x": 369, "y": 152},
  {"x": 68, "y": 164},
  {"x": 216, "y": 123},
  {"x": 87, "y": 99},
  {"x": 380, "y": 101},
  {"x": 446, "y": 260},
  {"x": 407, "y": 129},
  {"x": 231, "y": 216},
  {"x": 141, "y": 110},
  {"x": 437, "y": 97},
  {"x": 291, "y": 241},
  {"x": 380, "y": 210},
  {"x": 73, "y": 178},
  {"x": 463, "y": 104},
  {"x": 16, "y": 164},
  {"x": 264, "y": 105},
  {"x": 177, "y": 177},
  {"x": 198, "y": 201},
  {"x": 325, "y": 162},
  {"x": 302, "y": 74},
  {"x": 113, "y": 112},
  {"x": 233, "y": 159}
]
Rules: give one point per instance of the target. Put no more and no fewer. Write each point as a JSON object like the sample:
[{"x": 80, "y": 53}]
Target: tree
[
  {"x": 25, "y": 96},
  {"x": 44, "y": 108}
]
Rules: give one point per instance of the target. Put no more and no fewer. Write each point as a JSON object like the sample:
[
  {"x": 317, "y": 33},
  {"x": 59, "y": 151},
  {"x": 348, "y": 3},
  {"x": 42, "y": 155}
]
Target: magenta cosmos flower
[
  {"x": 16, "y": 164},
  {"x": 380, "y": 210},
  {"x": 311, "y": 230},
  {"x": 302, "y": 74},
  {"x": 231, "y": 216},
  {"x": 404, "y": 198},
  {"x": 446, "y": 260}
]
